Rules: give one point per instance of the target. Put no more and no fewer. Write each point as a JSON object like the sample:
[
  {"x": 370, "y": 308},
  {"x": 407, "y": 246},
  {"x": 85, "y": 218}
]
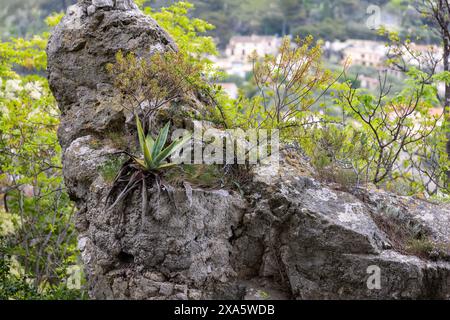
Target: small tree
[
  {"x": 426, "y": 164},
  {"x": 393, "y": 124},
  {"x": 291, "y": 83},
  {"x": 189, "y": 33},
  {"x": 437, "y": 14},
  {"x": 43, "y": 239},
  {"x": 148, "y": 84}
]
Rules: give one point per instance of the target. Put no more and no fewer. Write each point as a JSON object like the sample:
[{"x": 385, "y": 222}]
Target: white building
[
  {"x": 233, "y": 67},
  {"x": 364, "y": 53},
  {"x": 236, "y": 57},
  {"x": 241, "y": 47}
]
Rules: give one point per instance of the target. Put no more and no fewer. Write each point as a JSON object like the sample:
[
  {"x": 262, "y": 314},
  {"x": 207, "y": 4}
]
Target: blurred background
[
  {"x": 347, "y": 27},
  {"x": 39, "y": 258},
  {"x": 329, "y": 19}
]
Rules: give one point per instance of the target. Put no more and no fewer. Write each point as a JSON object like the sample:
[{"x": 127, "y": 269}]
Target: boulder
[{"x": 286, "y": 236}]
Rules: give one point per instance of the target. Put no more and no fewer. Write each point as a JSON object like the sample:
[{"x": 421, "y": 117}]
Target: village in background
[
  {"x": 346, "y": 28},
  {"x": 365, "y": 60}
]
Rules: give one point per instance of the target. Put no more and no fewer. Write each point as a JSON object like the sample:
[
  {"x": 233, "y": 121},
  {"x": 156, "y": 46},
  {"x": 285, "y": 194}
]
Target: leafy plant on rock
[
  {"x": 139, "y": 171},
  {"x": 148, "y": 84}
]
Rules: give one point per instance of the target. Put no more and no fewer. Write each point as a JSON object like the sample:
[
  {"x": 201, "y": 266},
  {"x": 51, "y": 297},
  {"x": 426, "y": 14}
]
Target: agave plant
[
  {"x": 138, "y": 171},
  {"x": 154, "y": 154}
]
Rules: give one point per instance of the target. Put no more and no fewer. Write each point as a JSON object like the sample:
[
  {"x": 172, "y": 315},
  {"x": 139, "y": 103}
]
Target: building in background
[
  {"x": 364, "y": 53},
  {"x": 235, "y": 60},
  {"x": 241, "y": 47}
]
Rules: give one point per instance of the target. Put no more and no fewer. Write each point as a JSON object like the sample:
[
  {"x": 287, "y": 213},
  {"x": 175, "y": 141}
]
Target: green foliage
[
  {"x": 109, "y": 169},
  {"x": 392, "y": 124},
  {"x": 330, "y": 20},
  {"x": 392, "y": 141},
  {"x": 187, "y": 33},
  {"x": 420, "y": 247},
  {"x": 42, "y": 240},
  {"x": 263, "y": 294},
  {"x": 53, "y": 19},
  {"x": 25, "y": 18},
  {"x": 14, "y": 286},
  {"x": 287, "y": 87},
  {"x": 273, "y": 17},
  {"x": 338, "y": 152},
  {"x": 287, "y": 84},
  {"x": 202, "y": 176},
  {"x": 25, "y": 56},
  {"x": 154, "y": 81},
  {"x": 155, "y": 154},
  {"x": 407, "y": 239},
  {"x": 139, "y": 171}
]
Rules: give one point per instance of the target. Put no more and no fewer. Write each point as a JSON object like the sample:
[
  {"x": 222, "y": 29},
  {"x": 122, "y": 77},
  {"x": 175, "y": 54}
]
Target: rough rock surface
[
  {"x": 289, "y": 236},
  {"x": 88, "y": 38}
]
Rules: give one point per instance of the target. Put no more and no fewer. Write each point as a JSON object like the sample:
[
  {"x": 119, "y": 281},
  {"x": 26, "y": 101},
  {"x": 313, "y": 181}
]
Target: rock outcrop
[{"x": 287, "y": 236}]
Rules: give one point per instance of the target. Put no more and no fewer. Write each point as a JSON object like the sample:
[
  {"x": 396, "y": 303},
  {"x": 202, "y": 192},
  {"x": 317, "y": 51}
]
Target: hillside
[{"x": 330, "y": 20}]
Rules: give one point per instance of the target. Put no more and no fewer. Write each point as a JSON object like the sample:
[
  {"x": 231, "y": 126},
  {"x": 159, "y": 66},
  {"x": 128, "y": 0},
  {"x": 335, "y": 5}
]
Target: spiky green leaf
[
  {"x": 142, "y": 141},
  {"x": 150, "y": 143},
  {"x": 171, "y": 149},
  {"x": 161, "y": 140}
]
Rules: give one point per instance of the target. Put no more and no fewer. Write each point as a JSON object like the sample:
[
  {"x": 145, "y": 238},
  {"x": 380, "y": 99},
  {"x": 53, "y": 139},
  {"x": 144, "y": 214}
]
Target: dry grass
[{"x": 408, "y": 242}]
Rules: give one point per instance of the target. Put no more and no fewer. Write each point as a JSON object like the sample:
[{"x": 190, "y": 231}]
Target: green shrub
[{"x": 420, "y": 247}]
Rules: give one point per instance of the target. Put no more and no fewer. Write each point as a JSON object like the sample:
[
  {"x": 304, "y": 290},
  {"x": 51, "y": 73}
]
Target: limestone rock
[
  {"x": 288, "y": 236},
  {"x": 78, "y": 51}
]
